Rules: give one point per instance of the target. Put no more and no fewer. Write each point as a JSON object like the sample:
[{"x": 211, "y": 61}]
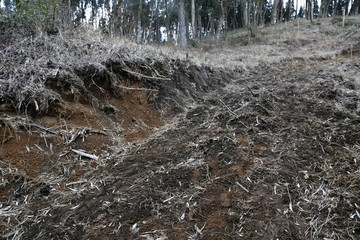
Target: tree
[
  {"x": 138, "y": 36},
  {"x": 324, "y": 9},
  {"x": 115, "y": 19},
  {"x": 309, "y": 10},
  {"x": 245, "y": 18},
  {"x": 316, "y": 8},
  {"x": 355, "y": 7},
  {"x": 167, "y": 21},
  {"x": 289, "y": 10},
  {"x": 267, "y": 13},
  {"x": 182, "y": 26},
  {"x": 274, "y": 12},
  {"x": 219, "y": 25},
  {"x": 301, "y": 12},
  {"x": 193, "y": 19}
]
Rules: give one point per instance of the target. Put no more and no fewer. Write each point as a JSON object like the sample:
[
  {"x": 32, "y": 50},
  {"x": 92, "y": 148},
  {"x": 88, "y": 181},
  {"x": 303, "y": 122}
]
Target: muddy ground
[{"x": 179, "y": 151}]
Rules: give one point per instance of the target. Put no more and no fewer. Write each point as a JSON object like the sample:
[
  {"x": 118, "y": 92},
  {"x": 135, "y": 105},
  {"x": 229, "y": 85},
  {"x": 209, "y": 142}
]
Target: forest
[
  {"x": 171, "y": 20},
  {"x": 179, "y": 120}
]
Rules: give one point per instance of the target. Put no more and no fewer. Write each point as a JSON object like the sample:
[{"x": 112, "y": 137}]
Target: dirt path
[{"x": 272, "y": 154}]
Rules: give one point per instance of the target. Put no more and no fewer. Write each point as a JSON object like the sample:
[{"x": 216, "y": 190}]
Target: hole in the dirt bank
[{"x": 108, "y": 110}]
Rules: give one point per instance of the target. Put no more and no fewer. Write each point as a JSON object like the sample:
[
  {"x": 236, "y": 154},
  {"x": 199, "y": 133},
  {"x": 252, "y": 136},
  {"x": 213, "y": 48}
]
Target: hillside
[{"x": 102, "y": 138}]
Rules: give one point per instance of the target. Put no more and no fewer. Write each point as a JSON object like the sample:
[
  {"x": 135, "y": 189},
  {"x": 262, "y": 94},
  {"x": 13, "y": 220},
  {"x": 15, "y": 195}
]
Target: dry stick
[
  {"x": 81, "y": 153},
  {"x": 246, "y": 190},
  {"x": 138, "y": 89},
  {"x": 290, "y": 201},
  {"x": 44, "y": 128},
  {"x": 158, "y": 73},
  {"x": 144, "y": 76},
  {"x": 77, "y": 182}
]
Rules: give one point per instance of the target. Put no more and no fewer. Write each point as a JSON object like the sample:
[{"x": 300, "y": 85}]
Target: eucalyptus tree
[
  {"x": 182, "y": 26},
  {"x": 220, "y": 21},
  {"x": 355, "y": 7},
  {"x": 309, "y": 10},
  {"x": 274, "y": 12},
  {"x": 193, "y": 19},
  {"x": 139, "y": 31},
  {"x": 289, "y": 10}
]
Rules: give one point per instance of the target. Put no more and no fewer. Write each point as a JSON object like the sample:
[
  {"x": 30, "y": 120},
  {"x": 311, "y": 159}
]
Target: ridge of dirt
[{"x": 271, "y": 154}]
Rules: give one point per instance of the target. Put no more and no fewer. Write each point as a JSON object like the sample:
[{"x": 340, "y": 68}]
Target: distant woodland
[{"x": 182, "y": 21}]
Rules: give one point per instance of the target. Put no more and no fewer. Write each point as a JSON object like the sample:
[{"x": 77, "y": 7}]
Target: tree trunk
[
  {"x": 225, "y": 15},
  {"x": 158, "y": 32},
  {"x": 151, "y": 25},
  {"x": 259, "y": 11},
  {"x": 289, "y": 10},
  {"x": 199, "y": 26},
  {"x": 219, "y": 26},
  {"x": 245, "y": 13},
  {"x": 309, "y": 10},
  {"x": 138, "y": 37},
  {"x": 157, "y": 36},
  {"x": 263, "y": 13},
  {"x": 235, "y": 24},
  {"x": 324, "y": 8},
  {"x": 69, "y": 13},
  {"x": 274, "y": 12},
  {"x": 167, "y": 22},
  {"x": 182, "y": 26},
  {"x": 357, "y": 7},
  {"x": 297, "y": 15},
  {"x": 193, "y": 19},
  {"x": 212, "y": 24},
  {"x": 115, "y": 18},
  {"x": 187, "y": 25},
  {"x": 335, "y": 11}
]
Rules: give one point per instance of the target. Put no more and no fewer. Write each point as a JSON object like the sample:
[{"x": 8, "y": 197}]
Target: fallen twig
[
  {"x": 84, "y": 154},
  {"x": 44, "y": 128},
  {"x": 237, "y": 183},
  {"x": 138, "y": 89},
  {"x": 77, "y": 182}
]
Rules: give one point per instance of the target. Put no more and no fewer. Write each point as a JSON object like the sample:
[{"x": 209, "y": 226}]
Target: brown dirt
[{"x": 269, "y": 153}]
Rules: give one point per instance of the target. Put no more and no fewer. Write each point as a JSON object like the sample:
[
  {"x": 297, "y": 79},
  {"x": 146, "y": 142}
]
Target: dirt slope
[{"x": 180, "y": 151}]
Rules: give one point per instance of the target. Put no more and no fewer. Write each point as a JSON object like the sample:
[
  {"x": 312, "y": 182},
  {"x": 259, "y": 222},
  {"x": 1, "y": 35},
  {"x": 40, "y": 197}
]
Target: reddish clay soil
[{"x": 270, "y": 153}]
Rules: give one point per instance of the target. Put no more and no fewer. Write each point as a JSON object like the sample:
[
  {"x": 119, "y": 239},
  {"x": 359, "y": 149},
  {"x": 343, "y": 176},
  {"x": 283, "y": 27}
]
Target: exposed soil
[{"x": 188, "y": 152}]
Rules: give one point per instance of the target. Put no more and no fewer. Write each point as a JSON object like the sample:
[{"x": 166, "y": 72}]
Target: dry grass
[
  {"x": 26, "y": 64},
  {"x": 282, "y": 42}
]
